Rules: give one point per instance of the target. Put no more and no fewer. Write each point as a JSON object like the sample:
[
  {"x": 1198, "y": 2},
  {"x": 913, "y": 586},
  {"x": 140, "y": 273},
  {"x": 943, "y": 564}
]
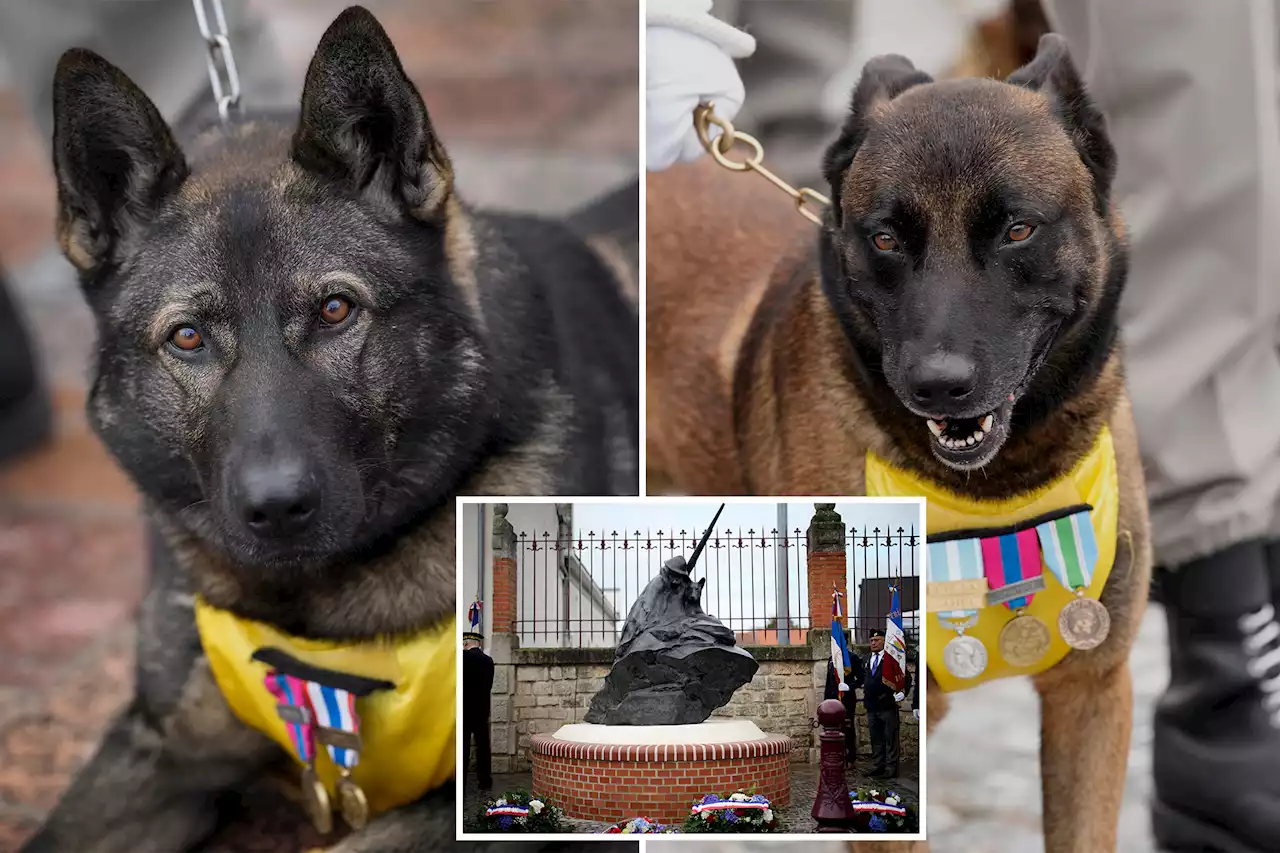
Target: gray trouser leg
[
  {"x": 800, "y": 46},
  {"x": 1190, "y": 92},
  {"x": 879, "y": 737},
  {"x": 892, "y": 723}
]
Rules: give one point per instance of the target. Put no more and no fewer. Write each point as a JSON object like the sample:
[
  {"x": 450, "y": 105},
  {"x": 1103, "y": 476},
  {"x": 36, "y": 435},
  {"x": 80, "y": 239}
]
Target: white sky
[{"x": 742, "y": 583}]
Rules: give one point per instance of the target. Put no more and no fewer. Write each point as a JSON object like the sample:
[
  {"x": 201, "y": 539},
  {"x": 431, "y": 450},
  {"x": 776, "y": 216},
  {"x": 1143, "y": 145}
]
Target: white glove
[
  {"x": 689, "y": 60},
  {"x": 898, "y": 697},
  {"x": 916, "y": 711},
  {"x": 843, "y": 688}
]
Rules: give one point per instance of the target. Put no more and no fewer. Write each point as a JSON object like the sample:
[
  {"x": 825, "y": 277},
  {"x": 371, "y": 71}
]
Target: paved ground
[{"x": 537, "y": 102}]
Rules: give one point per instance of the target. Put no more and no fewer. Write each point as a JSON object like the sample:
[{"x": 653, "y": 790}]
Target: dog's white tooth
[
  {"x": 987, "y": 423},
  {"x": 979, "y": 435},
  {"x": 970, "y": 441},
  {"x": 934, "y": 427}
]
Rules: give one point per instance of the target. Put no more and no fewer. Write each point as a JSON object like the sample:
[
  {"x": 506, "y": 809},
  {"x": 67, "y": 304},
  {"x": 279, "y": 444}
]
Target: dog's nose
[
  {"x": 942, "y": 377},
  {"x": 279, "y": 498}
]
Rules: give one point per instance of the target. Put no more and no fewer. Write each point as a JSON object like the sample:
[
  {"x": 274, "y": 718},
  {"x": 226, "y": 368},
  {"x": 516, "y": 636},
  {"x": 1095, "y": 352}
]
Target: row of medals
[{"x": 1083, "y": 623}]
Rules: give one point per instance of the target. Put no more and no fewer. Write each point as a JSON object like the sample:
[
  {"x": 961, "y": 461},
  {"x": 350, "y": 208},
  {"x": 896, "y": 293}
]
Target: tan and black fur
[
  {"x": 301, "y": 471},
  {"x": 780, "y": 354}
]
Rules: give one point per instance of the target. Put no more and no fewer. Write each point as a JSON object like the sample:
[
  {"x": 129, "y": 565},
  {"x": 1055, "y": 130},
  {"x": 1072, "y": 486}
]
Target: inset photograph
[{"x": 689, "y": 666}]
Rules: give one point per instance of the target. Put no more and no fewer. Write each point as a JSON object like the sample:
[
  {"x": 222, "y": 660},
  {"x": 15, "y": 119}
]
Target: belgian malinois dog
[
  {"x": 309, "y": 345},
  {"x": 955, "y": 315}
]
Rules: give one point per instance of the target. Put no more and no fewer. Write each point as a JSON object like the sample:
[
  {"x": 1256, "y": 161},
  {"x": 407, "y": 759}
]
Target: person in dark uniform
[
  {"x": 848, "y": 698},
  {"x": 882, "y": 711},
  {"x": 477, "y": 684}
]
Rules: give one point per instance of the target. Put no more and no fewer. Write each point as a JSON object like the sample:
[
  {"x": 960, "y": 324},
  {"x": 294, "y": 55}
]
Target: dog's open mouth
[
  {"x": 962, "y": 433},
  {"x": 968, "y": 443}
]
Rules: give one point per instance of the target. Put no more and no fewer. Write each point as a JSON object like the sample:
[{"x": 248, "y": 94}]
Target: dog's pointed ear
[
  {"x": 1054, "y": 75},
  {"x": 363, "y": 122},
  {"x": 883, "y": 79},
  {"x": 114, "y": 158}
]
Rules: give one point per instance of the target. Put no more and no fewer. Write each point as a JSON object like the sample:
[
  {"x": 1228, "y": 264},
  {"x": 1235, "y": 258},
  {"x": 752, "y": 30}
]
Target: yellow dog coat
[
  {"x": 407, "y": 731},
  {"x": 1093, "y": 481}
]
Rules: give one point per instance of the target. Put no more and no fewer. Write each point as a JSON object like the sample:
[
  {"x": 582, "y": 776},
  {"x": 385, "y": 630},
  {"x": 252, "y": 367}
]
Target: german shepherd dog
[
  {"x": 308, "y": 346},
  {"x": 965, "y": 280}
]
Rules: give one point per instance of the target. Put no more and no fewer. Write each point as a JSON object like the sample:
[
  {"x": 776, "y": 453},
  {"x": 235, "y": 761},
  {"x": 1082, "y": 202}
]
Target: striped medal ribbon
[
  {"x": 338, "y": 728},
  {"x": 956, "y": 592},
  {"x": 1013, "y": 568},
  {"x": 1070, "y": 549},
  {"x": 294, "y": 708}
]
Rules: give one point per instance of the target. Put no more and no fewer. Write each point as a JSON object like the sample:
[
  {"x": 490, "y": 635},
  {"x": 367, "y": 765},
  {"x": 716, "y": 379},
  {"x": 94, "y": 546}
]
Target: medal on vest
[
  {"x": 1012, "y": 567},
  {"x": 293, "y": 708},
  {"x": 956, "y": 591},
  {"x": 338, "y": 728},
  {"x": 1071, "y": 551}
]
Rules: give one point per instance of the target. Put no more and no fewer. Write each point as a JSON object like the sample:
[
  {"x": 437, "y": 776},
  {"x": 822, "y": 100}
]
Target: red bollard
[{"x": 831, "y": 807}]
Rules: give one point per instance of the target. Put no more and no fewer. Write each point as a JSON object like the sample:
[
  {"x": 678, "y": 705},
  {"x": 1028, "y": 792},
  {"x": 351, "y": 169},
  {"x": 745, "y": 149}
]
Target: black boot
[
  {"x": 26, "y": 416},
  {"x": 1216, "y": 751}
]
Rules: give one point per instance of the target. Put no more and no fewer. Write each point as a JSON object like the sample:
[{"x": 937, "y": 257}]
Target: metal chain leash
[
  {"x": 704, "y": 115},
  {"x": 223, "y": 76}
]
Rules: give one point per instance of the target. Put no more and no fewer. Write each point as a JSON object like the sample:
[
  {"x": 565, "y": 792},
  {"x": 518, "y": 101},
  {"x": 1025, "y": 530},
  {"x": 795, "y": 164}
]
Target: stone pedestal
[{"x": 612, "y": 773}]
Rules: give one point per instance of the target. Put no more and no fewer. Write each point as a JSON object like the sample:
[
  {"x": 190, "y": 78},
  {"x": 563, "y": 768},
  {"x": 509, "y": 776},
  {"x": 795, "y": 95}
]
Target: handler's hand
[
  {"x": 690, "y": 60},
  {"x": 898, "y": 697}
]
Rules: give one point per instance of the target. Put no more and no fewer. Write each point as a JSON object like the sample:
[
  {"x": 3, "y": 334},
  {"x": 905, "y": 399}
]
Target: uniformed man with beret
[{"x": 881, "y": 703}]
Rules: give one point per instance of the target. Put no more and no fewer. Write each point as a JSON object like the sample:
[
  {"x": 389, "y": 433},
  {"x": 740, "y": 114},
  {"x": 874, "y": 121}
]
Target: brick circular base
[{"x": 611, "y": 782}]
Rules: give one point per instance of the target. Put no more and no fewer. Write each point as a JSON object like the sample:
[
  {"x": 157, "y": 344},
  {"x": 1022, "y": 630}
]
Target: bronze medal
[
  {"x": 1024, "y": 641},
  {"x": 352, "y": 802},
  {"x": 1084, "y": 623},
  {"x": 316, "y": 801},
  {"x": 965, "y": 657}
]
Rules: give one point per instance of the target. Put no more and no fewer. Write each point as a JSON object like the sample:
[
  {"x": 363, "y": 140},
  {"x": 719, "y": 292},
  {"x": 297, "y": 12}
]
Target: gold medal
[
  {"x": 1084, "y": 623},
  {"x": 316, "y": 801},
  {"x": 352, "y": 802},
  {"x": 1024, "y": 641}
]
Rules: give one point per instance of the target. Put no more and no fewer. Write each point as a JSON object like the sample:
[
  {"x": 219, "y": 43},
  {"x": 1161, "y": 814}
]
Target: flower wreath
[
  {"x": 519, "y": 811},
  {"x": 738, "y": 812},
  {"x": 877, "y": 811},
  {"x": 640, "y": 826}
]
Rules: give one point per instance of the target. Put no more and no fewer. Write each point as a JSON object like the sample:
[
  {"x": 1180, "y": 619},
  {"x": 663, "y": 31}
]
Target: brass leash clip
[{"x": 704, "y": 115}]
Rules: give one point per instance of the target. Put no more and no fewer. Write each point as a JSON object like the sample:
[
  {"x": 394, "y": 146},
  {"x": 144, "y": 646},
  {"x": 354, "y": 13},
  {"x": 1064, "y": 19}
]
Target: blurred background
[{"x": 537, "y": 104}]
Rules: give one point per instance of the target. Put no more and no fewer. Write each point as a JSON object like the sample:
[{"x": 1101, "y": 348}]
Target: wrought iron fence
[{"x": 576, "y": 592}]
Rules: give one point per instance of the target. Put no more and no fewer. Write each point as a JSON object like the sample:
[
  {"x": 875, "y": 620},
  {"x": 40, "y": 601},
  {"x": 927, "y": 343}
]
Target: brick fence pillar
[
  {"x": 502, "y": 641},
  {"x": 503, "y": 606},
  {"x": 826, "y": 537},
  {"x": 826, "y": 570}
]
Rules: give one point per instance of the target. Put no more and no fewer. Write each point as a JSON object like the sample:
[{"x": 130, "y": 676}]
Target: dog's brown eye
[
  {"x": 1020, "y": 231},
  {"x": 884, "y": 242},
  {"x": 335, "y": 310},
  {"x": 186, "y": 339}
]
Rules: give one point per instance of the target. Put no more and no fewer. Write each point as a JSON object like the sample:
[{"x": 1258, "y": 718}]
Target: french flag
[
  {"x": 893, "y": 666},
  {"x": 839, "y": 651}
]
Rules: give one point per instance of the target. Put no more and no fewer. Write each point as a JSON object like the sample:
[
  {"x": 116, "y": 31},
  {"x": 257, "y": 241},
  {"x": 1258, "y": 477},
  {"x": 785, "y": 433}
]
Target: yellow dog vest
[
  {"x": 1092, "y": 481},
  {"x": 407, "y": 732}
]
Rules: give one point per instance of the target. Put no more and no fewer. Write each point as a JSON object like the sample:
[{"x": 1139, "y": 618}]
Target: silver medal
[
  {"x": 1084, "y": 623},
  {"x": 965, "y": 657}
]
